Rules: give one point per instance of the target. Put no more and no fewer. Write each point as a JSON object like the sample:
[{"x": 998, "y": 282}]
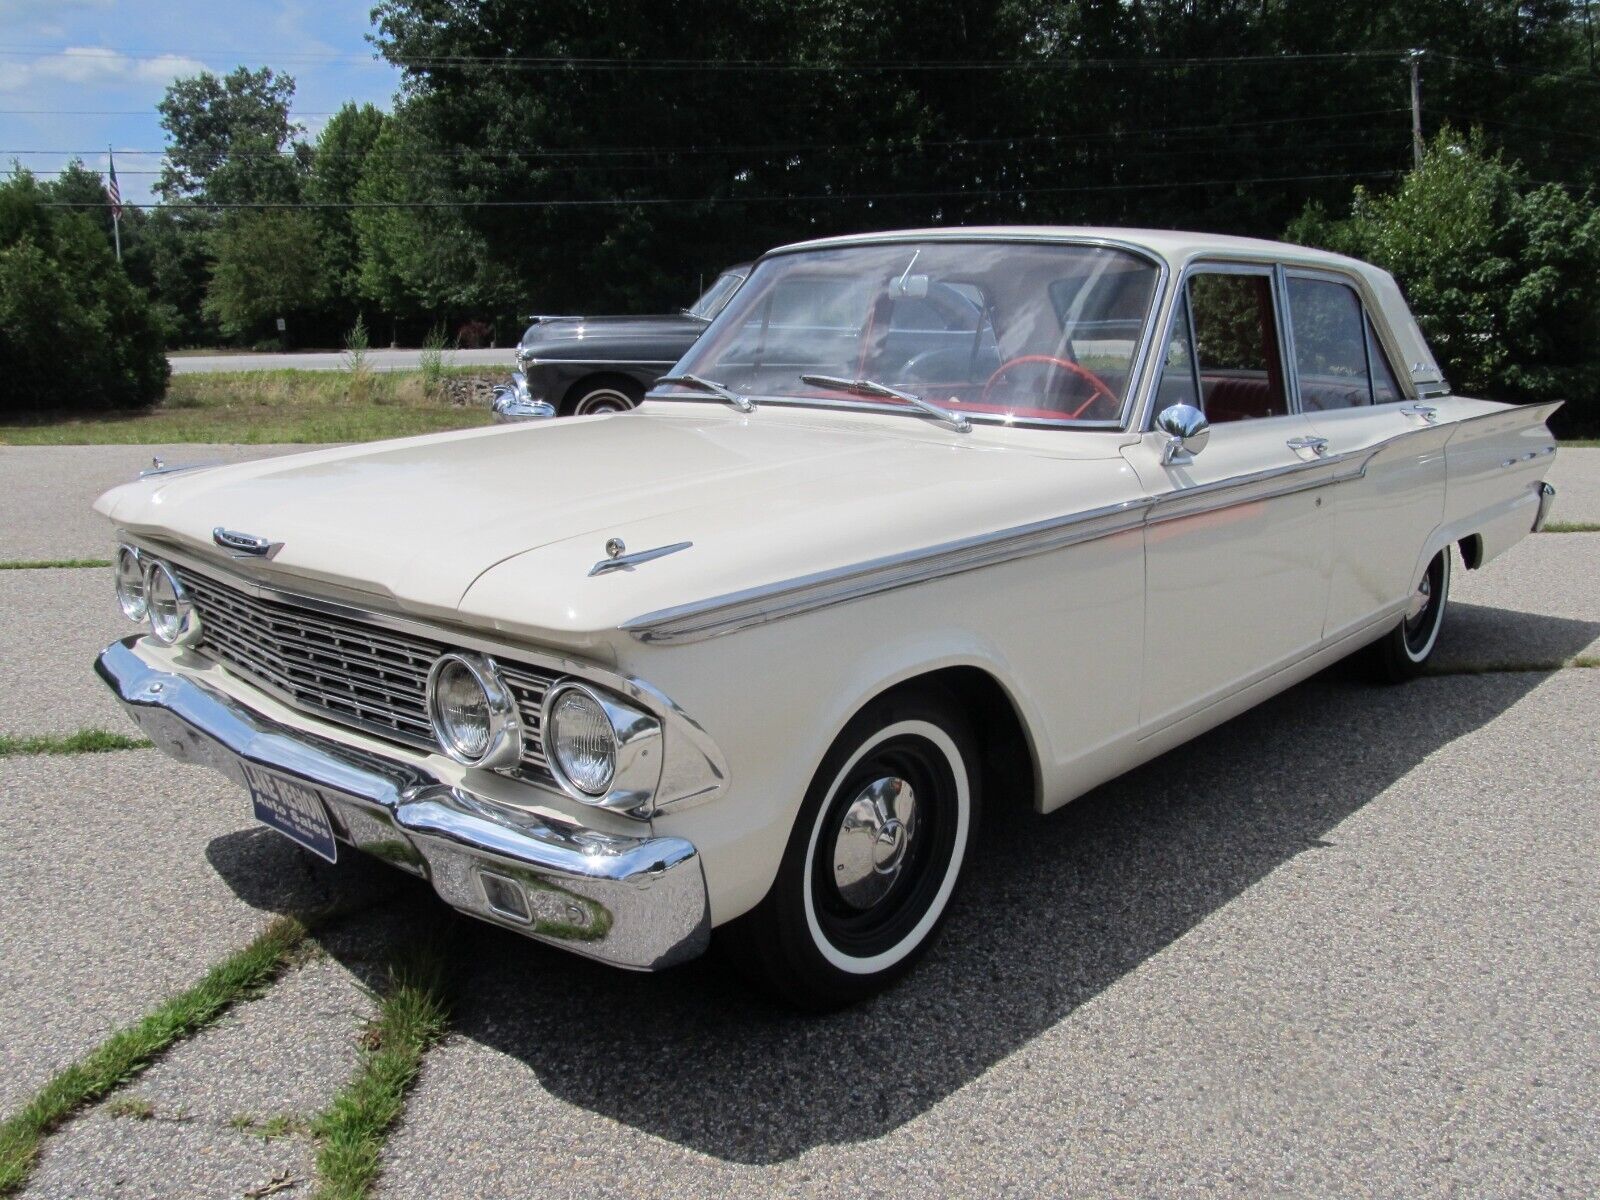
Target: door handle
[
  {"x": 1317, "y": 445},
  {"x": 1425, "y": 413}
]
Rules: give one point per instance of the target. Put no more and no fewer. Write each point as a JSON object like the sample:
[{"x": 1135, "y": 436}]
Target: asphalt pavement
[
  {"x": 1343, "y": 946},
  {"x": 335, "y": 360}
]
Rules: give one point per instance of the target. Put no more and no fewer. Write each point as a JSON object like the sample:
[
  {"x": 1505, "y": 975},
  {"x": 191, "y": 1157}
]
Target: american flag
[{"x": 113, "y": 193}]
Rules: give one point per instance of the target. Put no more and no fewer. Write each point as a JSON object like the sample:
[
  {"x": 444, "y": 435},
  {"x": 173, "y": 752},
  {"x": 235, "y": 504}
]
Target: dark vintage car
[{"x": 585, "y": 365}]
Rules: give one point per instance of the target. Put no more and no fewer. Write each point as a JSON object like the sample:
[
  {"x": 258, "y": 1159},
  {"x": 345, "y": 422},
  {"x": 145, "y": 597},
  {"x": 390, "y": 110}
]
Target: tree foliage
[
  {"x": 63, "y": 293},
  {"x": 1503, "y": 275},
  {"x": 231, "y": 139},
  {"x": 267, "y": 264}
]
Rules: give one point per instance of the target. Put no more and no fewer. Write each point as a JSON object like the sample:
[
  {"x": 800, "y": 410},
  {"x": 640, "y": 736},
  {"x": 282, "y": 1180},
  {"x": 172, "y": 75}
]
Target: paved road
[
  {"x": 1343, "y": 946},
  {"x": 332, "y": 360}
]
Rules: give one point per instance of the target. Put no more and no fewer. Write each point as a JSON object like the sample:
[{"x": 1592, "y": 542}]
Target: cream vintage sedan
[{"x": 924, "y": 521}]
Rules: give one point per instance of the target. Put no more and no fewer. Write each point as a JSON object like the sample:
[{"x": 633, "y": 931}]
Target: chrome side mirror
[
  {"x": 514, "y": 402},
  {"x": 1187, "y": 432}
]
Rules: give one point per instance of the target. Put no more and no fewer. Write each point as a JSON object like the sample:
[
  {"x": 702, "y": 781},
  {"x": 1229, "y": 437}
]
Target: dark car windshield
[
  {"x": 1008, "y": 331},
  {"x": 716, "y": 296}
]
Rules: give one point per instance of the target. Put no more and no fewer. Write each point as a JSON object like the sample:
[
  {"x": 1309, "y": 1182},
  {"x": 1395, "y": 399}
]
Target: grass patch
[
  {"x": 254, "y": 407},
  {"x": 42, "y": 564},
  {"x": 1583, "y": 662},
  {"x": 1589, "y": 443},
  {"x": 134, "y": 1108},
  {"x": 85, "y": 741},
  {"x": 411, "y": 1017},
  {"x": 1571, "y": 527},
  {"x": 280, "y": 1125},
  {"x": 128, "y": 1051}
]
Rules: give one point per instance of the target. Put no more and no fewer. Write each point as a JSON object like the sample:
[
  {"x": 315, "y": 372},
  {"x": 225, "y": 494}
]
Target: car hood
[{"x": 500, "y": 527}]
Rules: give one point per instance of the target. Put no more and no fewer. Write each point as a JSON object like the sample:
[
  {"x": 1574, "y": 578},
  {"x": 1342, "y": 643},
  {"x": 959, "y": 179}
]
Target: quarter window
[{"x": 1338, "y": 359}]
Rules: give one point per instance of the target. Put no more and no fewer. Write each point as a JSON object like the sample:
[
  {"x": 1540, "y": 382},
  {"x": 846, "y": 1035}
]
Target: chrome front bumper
[{"x": 632, "y": 902}]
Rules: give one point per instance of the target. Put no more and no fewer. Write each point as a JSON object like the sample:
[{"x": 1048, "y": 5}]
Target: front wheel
[
  {"x": 873, "y": 859},
  {"x": 602, "y": 396},
  {"x": 1405, "y": 650}
]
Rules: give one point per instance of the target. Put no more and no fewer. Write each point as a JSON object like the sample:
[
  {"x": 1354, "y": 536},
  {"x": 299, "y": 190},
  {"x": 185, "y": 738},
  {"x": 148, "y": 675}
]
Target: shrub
[
  {"x": 1503, "y": 276},
  {"x": 64, "y": 300}
]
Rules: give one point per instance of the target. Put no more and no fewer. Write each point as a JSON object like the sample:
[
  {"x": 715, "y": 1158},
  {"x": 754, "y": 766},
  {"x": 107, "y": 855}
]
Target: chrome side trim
[
  {"x": 637, "y": 902},
  {"x": 596, "y": 362},
  {"x": 757, "y": 606},
  {"x": 695, "y": 769}
]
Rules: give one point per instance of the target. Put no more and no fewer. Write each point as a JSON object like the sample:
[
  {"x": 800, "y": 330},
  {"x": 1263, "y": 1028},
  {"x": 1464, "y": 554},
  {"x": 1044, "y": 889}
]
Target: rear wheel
[
  {"x": 1405, "y": 651},
  {"x": 873, "y": 859}
]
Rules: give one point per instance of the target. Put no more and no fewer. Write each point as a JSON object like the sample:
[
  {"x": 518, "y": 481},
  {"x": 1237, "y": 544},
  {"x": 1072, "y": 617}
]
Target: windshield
[
  {"x": 715, "y": 296},
  {"x": 997, "y": 331}
]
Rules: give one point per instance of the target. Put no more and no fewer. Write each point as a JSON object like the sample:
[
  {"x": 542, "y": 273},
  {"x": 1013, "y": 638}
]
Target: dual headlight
[
  {"x": 601, "y": 750},
  {"x": 148, "y": 590}
]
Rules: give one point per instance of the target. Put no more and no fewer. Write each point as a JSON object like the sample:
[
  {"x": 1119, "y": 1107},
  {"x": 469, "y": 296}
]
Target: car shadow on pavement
[{"x": 1055, "y": 910}]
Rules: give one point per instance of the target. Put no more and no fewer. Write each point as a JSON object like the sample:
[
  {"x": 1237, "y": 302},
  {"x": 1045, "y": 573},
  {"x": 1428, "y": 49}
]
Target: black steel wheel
[
  {"x": 874, "y": 857},
  {"x": 1403, "y": 653}
]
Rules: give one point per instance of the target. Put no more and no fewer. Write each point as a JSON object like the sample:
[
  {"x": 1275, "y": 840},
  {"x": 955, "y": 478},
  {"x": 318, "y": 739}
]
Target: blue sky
[{"x": 78, "y": 75}]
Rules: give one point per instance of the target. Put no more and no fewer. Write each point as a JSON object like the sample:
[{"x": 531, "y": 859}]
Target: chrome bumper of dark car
[{"x": 632, "y": 902}]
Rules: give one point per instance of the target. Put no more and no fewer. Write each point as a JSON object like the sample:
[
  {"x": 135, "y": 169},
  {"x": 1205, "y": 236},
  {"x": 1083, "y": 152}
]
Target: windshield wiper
[
  {"x": 722, "y": 392},
  {"x": 871, "y": 387}
]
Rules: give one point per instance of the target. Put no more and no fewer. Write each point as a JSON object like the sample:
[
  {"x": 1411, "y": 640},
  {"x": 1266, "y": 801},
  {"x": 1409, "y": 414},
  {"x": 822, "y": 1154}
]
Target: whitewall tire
[{"x": 874, "y": 858}]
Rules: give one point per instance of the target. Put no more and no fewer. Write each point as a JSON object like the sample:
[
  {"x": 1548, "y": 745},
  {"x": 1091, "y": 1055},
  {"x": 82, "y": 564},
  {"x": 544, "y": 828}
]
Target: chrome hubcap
[
  {"x": 876, "y": 832},
  {"x": 603, "y": 402},
  {"x": 1420, "y": 599}
]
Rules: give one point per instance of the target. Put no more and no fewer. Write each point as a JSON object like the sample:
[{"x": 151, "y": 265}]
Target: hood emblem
[
  {"x": 618, "y": 559},
  {"x": 244, "y": 545}
]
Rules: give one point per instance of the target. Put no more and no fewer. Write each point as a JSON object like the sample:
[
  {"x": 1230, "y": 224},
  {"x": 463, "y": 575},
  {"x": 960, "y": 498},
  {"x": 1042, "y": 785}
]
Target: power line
[
  {"x": 1523, "y": 72},
  {"x": 623, "y": 202},
  {"x": 773, "y": 148},
  {"x": 740, "y": 64}
]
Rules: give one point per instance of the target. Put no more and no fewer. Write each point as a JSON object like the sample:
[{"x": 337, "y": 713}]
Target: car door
[
  {"x": 1353, "y": 399},
  {"x": 1236, "y": 553}
]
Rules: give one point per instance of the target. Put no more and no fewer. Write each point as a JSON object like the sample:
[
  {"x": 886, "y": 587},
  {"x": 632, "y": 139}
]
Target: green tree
[
  {"x": 62, "y": 292},
  {"x": 337, "y": 166},
  {"x": 421, "y": 261},
  {"x": 1503, "y": 275},
  {"x": 232, "y": 141},
  {"x": 267, "y": 265}
]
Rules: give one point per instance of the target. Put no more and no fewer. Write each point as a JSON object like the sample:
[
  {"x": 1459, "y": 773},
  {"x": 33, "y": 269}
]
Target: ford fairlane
[{"x": 924, "y": 522}]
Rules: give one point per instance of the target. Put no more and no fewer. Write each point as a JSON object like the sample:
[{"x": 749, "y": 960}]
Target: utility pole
[{"x": 1415, "y": 58}]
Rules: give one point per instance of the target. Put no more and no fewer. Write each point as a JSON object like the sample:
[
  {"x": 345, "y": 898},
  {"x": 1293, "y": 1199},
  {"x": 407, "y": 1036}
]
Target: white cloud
[{"x": 95, "y": 66}]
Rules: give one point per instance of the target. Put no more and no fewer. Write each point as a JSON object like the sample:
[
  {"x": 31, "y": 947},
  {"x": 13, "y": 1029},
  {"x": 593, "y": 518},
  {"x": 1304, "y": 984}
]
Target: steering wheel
[{"x": 1099, "y": 387}]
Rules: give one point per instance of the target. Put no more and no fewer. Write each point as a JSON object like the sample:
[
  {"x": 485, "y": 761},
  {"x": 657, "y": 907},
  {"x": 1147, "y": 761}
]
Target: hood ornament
[
  {"x": 618, "y": 559},
  {"x": 244, "y": 545}
]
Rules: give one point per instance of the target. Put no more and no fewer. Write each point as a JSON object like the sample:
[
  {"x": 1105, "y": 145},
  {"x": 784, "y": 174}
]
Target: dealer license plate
[{"x": 293, "y": 809}]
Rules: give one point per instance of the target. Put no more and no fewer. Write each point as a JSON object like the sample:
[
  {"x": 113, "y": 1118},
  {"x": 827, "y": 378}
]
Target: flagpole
[{"x": 116, "y": 205}]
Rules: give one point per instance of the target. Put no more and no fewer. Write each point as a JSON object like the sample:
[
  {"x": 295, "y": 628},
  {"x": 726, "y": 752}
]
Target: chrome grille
[{"x": 351, "y": 672}]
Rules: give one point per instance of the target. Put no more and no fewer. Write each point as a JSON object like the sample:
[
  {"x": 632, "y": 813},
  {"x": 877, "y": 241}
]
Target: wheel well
[
  {"x": 1007, "y": 760},
  {"x": 628, "y": 387},
  {"x": 1472, "y": 551}
]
